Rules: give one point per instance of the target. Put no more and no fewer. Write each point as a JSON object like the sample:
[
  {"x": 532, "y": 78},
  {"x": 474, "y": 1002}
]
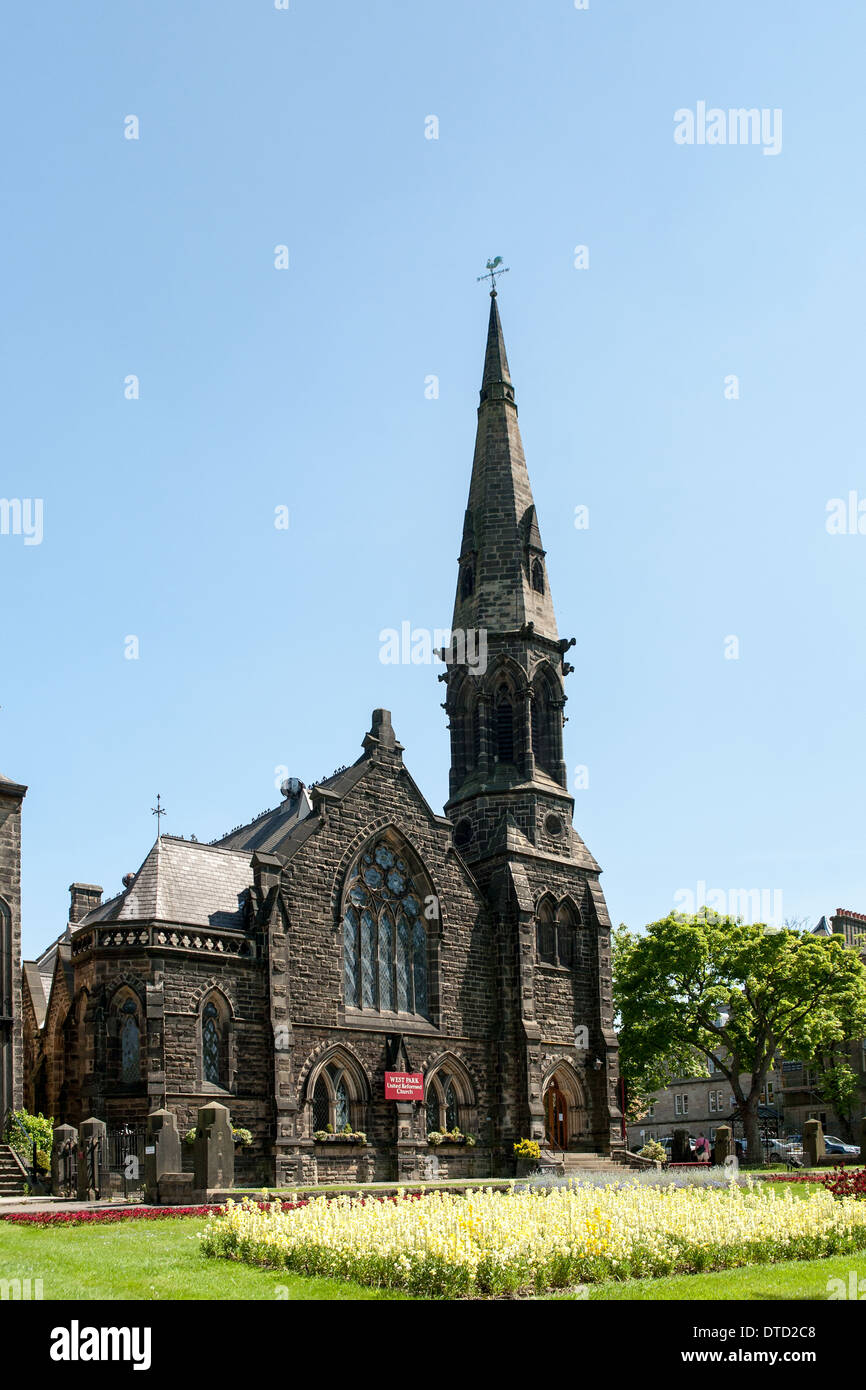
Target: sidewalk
[{"x": 10, "y": 1206}]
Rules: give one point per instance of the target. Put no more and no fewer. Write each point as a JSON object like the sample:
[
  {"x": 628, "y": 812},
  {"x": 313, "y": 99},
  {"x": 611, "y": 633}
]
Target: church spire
[{"x": 502, "y": 583}]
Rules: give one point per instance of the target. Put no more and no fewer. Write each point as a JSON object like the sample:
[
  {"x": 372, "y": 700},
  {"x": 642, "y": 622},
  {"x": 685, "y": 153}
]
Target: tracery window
[
  {"x": 130, "y": 1044},
  {"x": 385, "y": 949},
  {"x": 337, "y": 1094},
  {"x": 445, "y": 1097},
  {"x": 555, "y": 933},
  {"x": 537, "y": 577},
  {"x": 214, "y": 1042}
]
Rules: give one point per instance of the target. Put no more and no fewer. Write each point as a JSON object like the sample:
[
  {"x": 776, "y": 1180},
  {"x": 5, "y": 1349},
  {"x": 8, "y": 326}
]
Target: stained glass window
[
  {"x": 211, "y": 1044},
  {"x": 404, "y": 967},
  {"x": 130, "y": 1045},
  {"x": 385, "y": 947},
  {"x": 452, "y": 1118},
  {"x": 350, "y": 949},
  {"x": 342, "y": 1107},
  {"x": 321, "y": 1106},
  {"x": 433, "y": 1120}
]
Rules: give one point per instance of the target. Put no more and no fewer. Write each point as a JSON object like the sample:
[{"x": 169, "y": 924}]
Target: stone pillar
[
  {"x": 214, "y": 1150},
  {"x": 161, "y": 1151},
  {"x": 680, "y": 1150},
  {"x": 813, "y": 1143},
  {"x": 524, "y": 755},
  {"x": 724, "y": 1145},
  {"x": 484, "y": 715},
  {"x": 93, "y": 1176},
  {"x": 63, "y": 1151}
]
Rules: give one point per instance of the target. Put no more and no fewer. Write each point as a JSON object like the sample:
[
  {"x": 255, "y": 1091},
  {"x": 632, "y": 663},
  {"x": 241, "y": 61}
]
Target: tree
[
  {"x": 839, "y": 1087},
  {"x": 703, "y": 989}
]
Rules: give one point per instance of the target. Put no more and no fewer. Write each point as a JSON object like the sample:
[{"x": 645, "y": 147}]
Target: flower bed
[
  {"x": 107, "y": 1216},
  {"x": 489, "y": 1242}
]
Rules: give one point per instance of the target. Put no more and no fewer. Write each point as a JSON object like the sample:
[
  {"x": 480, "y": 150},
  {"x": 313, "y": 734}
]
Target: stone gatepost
[
  {"x": 161, "y": 1151},
  {"x": 63, "y": 1151},
  {"x": 680, "y": 1150},
  {"x": 214, "y": 1150},
  {"x": 813, "y": 1143},
  {"x": 93, "y": 1175},
  {"x": 724, "y": 1145}
]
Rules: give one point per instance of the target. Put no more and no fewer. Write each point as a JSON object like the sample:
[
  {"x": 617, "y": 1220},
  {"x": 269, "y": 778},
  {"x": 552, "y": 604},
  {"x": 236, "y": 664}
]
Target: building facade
[
  {"x": 11, "y": 1032},
  {"x": 700, "y": 1104},
  {"x": 352, "y": 931}
]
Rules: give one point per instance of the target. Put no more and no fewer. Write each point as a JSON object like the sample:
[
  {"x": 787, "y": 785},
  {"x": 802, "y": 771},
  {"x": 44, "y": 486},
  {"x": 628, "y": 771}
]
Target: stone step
[{"x": 12, "y": 1180}]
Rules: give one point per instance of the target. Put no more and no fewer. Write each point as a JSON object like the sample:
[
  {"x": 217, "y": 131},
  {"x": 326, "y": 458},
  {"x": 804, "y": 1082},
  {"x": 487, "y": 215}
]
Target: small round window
[
  {"x": 553, "y": 825},
  {"x": 462, "y": 833}
]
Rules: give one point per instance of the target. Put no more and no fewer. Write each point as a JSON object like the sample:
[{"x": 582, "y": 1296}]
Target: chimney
[{"x": 83, "y": 898}]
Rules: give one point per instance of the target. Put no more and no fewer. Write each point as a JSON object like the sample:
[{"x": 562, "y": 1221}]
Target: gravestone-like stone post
[
  {"x": 63, "y": 1150},
  {"x": 93, "y": 1175},
  {"x": 724, "y": 1145},
  {"x": 214, "y": 1150},
  {"x": 680, "y": 1150},
  {"x": 161, "y": 1151},
  {"x": 813, "y": 1142}
]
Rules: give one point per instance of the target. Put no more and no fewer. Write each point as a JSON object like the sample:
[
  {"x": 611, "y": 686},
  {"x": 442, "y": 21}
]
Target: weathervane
[
  {"x": 494, "y": 268},
  {"x": 159, "y": 811}
]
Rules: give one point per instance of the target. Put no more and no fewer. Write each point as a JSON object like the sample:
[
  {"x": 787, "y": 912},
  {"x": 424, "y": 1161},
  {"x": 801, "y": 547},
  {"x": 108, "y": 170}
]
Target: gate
[{"x": 126, "y": 1160}]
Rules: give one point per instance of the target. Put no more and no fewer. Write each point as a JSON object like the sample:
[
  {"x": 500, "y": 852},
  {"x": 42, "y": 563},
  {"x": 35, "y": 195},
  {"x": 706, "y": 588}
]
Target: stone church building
[{"x": 352, "y": 931}]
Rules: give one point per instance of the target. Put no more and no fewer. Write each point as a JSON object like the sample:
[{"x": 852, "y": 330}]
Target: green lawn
[
  {"x": 149, "y": 1260},
  {"x": 161, "y": 1259}
]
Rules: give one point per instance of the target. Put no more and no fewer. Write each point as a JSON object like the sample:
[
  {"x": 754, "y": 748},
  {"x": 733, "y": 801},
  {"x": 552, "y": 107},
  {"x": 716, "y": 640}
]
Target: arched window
[
  {"x": 537, "y": 577},
  {"x": 545, "y": 933},
  {"x": 214, "y": 1042},
  {"x": 449, "y": 1098},
  {"x": 5, "y": 961},
  {"x": 556, "y": 933},
  {"x": 504, "y": 726},
  {"x": 130, "y": 1044},
  {"x": 385, "y": 947},
  {"x": 337, "y": 1097},
  {"x": 546, "y": 723}
]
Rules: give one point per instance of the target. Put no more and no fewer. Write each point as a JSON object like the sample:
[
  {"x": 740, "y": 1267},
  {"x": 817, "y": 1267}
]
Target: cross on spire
[
  {"x": 159, "y": 811},
  {"x": 494, "y": 268}
]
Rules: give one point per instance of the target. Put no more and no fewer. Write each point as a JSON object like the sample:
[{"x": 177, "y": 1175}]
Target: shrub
[
  {"x": 528, "y": 1148},
  {"x": 24, "y": 1129},
  {"x": 242, "y": 1137},
  {"x": 654, "y": 1150}
]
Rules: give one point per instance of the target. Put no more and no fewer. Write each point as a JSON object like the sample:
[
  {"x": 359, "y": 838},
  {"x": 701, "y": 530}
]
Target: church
[{"x": 353, "y": 932}]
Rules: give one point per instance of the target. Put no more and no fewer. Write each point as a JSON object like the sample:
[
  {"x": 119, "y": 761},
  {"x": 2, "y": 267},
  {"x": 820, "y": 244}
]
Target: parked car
[{"x": 838, "y": 1146}]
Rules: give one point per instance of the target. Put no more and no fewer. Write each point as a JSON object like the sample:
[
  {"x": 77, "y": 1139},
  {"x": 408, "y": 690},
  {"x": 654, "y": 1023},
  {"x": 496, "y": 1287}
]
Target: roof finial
[{"x": 494, "y": 268}]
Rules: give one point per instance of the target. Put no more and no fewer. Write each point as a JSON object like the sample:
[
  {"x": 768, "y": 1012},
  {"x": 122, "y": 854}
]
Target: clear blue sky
[{"x": 305, "y": 387}]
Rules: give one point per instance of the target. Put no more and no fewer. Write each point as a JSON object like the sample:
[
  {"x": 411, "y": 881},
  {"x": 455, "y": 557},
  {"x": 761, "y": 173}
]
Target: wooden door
[{"x": 556, "y": 1116}]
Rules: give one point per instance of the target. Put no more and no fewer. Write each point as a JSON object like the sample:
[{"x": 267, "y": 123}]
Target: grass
[
  {"x": 150, "y": 1260},
  {"x": 792, "y": 1279},
  {"x": 162, "y": 1260}
]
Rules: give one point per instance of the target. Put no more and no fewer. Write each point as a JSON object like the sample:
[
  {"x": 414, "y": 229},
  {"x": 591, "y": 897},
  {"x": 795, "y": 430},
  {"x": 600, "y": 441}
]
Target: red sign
[{"x": 404, "y": 1085}]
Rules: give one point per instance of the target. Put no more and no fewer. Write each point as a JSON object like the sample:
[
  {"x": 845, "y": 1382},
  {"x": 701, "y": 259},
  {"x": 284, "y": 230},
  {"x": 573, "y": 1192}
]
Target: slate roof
[
  {"x": 183, "y": 881},
  {"x": 267, "y": 832}
]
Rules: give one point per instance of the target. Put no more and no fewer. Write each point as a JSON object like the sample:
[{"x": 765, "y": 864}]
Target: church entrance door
[{"x": 556, "y": 1116}]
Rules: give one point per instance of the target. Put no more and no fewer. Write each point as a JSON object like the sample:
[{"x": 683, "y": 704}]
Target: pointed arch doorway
[{"x": 556, "y": 1115}]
